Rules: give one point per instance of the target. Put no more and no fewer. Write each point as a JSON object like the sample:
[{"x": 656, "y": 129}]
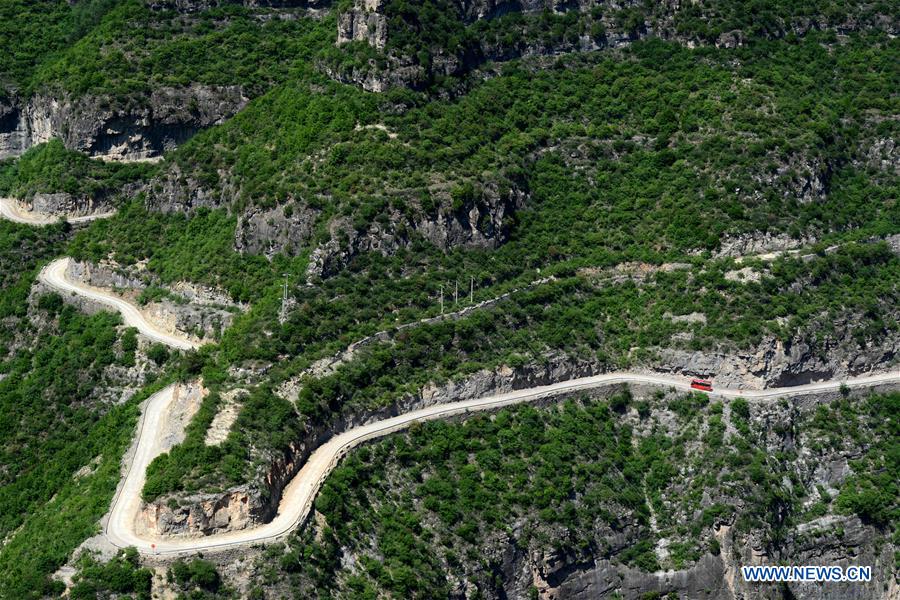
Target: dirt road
[
  {"x": 298, "y": 496},
  {"x": 54, "y": 275}
]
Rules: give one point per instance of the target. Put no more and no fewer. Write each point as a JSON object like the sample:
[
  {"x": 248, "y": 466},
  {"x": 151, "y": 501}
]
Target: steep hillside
[
  {"x": 420, "y": 44},
  {"x": 663, "y": 495},
  {"x": 125, "y": 80},
  {"x": 389, "y": 205}
]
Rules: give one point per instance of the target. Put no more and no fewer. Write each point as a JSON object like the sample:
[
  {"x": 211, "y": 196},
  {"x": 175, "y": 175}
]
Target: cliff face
[
  {"x": 482, "y": 220},
  {"x": 62, "y": 203},
  {"x": 798, "y": 361},
  {"x": 134, "y": 129},
  {"x": 195, "y": 6},
  {"x": 842, "y": 541},
  {"x": 597, "y": 24}
]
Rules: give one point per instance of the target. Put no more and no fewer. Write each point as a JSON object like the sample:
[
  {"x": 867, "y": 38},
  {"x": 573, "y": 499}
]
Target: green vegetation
[
  {"x": 60, "y": 443},
  {"x": 654, "y": 153},
  {"x": 123, "y": 47},
  {"x": 65, "y": 366},
  {"x": 872, "y": 492},
  {"x": 198, "y": 575},
  {"x": 50, "y": 168},
  {"x": 576, "y": 480},
  {"x": 431, "y": 29},
  {"x": 122, "y": 575},
  {"x": 619, "y": 174},
  {"x": 199, "y": 248},
  {"x": 32, "y": 33},
  {"x": 581, "y": 316},
  {"x": 197, "y": 579}
]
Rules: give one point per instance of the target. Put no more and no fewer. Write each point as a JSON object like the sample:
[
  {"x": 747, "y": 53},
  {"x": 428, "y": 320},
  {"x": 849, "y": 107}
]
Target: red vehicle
[{"x": 701, "y": 384}]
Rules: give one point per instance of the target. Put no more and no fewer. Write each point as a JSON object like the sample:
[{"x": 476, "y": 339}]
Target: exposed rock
[
  {"x": 744, "y": 275},
  {"x": 193, "y": 6},
  {"x": 758, "y": 243},
  {"x": 204, "y": 295},
  {"x": 105, "y": 274},
  {"x": 479, "y": 222},
  {"x": 694, "y": 317},
  {"x": 637, "y": 272},
  {"x": 201, "y": 323},
  {"x": 283, "y": 229},
  {"x": 225, "y": 417},
  {"x": 601, "y": 25},
  {"x": 894, "y": 242},
  {"x": 134, "y": 128},
  {"x": 66, "y": 204},
  {"x": 365, "y": 22},
  {"x": 173, "y": 191},
  {"x": 199, "y": 514},
  {"x": 775, "y": 364},
  {"x": 202, "y": 313}
]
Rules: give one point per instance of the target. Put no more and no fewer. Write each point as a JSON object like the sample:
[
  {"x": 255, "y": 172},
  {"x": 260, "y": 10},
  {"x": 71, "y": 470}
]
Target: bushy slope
[
  {"x": 50, "y": 168},
  {"x": 123, "y": 47},
  {"x": 464, "y": 505},
  {"x": 658, "y": 150}
]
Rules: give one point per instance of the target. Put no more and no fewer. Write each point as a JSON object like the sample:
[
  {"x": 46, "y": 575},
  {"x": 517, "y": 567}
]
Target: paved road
[
  {"x": 12, "y": 210},
  {"x": 54, "y": 275},
  {"x": 301, "y": 491}
]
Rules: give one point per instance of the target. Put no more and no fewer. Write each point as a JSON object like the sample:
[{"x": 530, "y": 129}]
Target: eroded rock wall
[{"x": 133, "y": 128}]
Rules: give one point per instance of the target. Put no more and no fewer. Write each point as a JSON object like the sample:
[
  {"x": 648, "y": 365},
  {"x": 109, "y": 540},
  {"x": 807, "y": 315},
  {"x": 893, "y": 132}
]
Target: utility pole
[
  {"x": 283, "y": 317},
  {"x": 442, "y": 299}
]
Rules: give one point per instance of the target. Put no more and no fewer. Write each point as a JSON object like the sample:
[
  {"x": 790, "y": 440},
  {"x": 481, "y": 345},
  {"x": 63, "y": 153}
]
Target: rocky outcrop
[
  {"x": 365, "y": 22},
  {"x": 198, "y": 311},
  {"x": 600, "y": 24},
  {"x": 843, "y": 541},
  {"x": 66, "y": 204},
  {"x": 132, "y": 128},
  {"x": 194, "y": 6},
  {"x": 749, "y": 244},
  {"x": 104, "y": 275},
  {"x": 203, "y": 323},
  {"x": 234, "y": 510},
  {"x": 773, "y": 363},
  {"x": 283, "y": 229},
  {"x": 483, "y": 220},
  {"x": 177, "y": 191}
]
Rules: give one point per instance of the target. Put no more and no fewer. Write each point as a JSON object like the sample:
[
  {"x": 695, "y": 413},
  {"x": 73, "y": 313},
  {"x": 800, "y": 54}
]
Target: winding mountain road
[
  {"x": 12, "y": 210},
  {"x": 299, "y": 494},
  {"x": 121, "y": 527},
  {"x": 54, "y": 275}
]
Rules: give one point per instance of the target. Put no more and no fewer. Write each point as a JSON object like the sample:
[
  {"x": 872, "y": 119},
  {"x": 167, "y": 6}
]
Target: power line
[{"x": 284, "y": 295}]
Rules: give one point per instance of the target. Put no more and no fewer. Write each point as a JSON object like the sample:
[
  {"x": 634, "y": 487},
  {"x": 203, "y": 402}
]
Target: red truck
[{"x": 701, "y": 384}]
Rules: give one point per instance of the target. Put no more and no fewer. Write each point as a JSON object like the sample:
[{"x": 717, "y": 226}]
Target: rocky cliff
[
  {"x": 195, "y": 6},
  {"x": 552, "y": 27},
  {"x": 481, "y": 219},
  {"x": 133, "y": 128}
]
